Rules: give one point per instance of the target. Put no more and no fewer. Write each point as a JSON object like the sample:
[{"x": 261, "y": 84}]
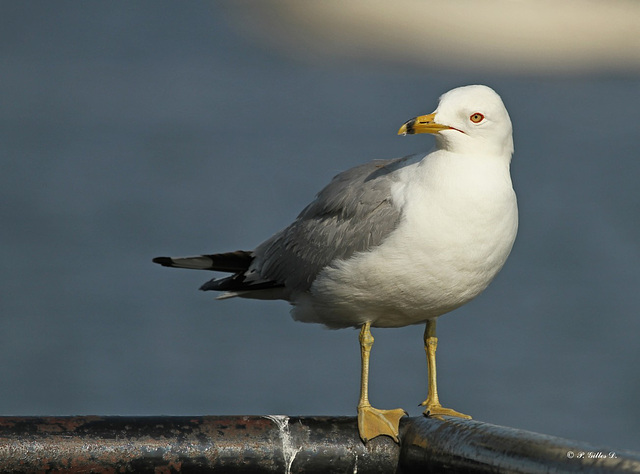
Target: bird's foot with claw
[
  {"x": 373, "y": 422},
  {"x": 435, "y": 410}
]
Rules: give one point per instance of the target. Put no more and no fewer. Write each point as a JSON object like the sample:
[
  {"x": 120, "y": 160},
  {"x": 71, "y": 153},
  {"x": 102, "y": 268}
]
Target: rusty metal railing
[{"x": 269, "y": 444}]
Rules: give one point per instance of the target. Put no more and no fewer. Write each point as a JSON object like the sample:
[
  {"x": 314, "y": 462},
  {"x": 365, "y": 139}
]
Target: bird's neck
[{"x": 463, "y": 145}]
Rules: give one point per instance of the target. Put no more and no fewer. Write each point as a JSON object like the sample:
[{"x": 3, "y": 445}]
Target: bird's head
[{"x": 470, "y": 119}]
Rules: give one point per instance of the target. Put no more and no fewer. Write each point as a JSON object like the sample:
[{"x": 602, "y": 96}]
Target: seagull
[{"x": 392, "y": 243}]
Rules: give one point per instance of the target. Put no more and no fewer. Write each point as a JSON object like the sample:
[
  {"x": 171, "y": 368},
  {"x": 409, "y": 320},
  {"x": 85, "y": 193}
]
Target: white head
[{"x": 468, "y": 120}]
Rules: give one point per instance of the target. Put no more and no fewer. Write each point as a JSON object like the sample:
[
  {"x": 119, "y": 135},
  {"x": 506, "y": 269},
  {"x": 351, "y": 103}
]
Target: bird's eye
[{"x": 477, "y": 117}]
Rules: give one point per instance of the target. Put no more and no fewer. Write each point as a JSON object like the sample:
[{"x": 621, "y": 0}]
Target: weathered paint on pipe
[
  {"x": 191, "y": 444},
  {"x": 235, "y": 444}
]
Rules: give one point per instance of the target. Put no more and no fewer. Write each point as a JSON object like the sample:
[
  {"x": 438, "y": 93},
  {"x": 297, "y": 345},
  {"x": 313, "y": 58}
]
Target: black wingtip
[{"x": 164, "y": 261}]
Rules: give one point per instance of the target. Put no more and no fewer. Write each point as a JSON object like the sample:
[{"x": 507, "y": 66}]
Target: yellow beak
[{"x": 422, "y": 124}]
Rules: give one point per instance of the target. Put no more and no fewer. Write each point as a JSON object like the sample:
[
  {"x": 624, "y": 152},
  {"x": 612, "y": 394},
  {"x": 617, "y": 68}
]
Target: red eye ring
[{"x": 477, "y": 117}]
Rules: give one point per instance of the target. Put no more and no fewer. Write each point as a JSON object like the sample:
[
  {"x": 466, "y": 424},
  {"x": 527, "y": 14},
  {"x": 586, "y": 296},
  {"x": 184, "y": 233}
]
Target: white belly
[{"x": 456, "y": 233}]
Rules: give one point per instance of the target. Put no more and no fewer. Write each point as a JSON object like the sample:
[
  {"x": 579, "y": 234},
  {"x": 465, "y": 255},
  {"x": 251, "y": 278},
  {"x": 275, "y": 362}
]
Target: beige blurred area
[{"x": 548, "y": 37}]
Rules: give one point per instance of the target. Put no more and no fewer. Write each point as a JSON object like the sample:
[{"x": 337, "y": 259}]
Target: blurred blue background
[{"x": 136, "y": 129}]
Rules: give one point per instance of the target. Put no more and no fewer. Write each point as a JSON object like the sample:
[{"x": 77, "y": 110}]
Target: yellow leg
[
  {"x": 371, "y": 421},
  {"x": 432, "y": 403}
]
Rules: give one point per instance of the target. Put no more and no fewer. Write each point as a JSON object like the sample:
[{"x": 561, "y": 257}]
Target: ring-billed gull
[{"x": 393, "y": 242}]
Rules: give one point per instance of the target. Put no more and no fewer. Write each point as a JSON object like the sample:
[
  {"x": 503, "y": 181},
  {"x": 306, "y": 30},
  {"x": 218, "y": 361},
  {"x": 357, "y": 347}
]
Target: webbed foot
[
  {"x": 435, "y": 410},
  {"x": 373, "y": 422}
]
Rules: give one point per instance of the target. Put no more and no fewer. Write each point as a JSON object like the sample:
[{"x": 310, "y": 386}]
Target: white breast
[{"x": 459, "y": 224}]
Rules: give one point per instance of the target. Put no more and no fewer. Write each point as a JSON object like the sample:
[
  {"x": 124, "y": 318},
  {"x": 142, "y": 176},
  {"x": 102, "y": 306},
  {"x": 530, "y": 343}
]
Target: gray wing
[{"x": 353, "y": 213}]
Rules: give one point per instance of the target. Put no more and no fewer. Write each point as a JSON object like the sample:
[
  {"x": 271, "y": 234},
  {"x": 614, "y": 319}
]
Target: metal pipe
[
  {"x": 233, "y": 444},
  {"x": 457, "y": 445},
  {"x": 284, "y": 444}
]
